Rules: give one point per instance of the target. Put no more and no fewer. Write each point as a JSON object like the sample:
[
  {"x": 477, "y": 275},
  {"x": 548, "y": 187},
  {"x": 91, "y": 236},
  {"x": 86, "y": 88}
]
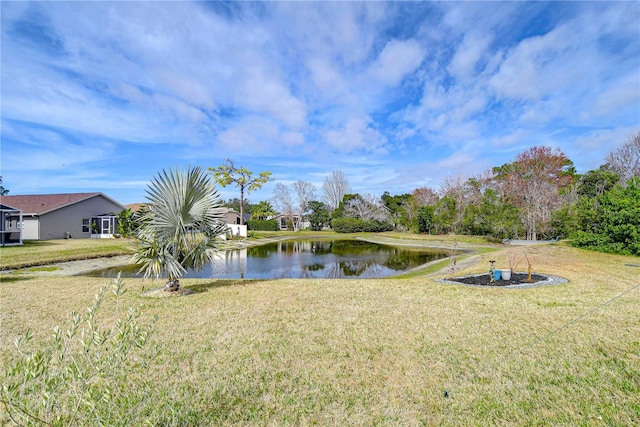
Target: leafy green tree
[
  {"x": 492, "y": 217},
  {"x": 180, "y": 230},
  {"x": 339, "y": 212},
  {"x": 319, "y": 216},
  {"x": 612, "y": 224},
  {"x": 240, "y": 177},
  {"x": 262, "y": 210},
  {"x": 597, "y": 182},
  {"x": 445, "y": 215},
  {"x": 234, "y": 204},
  {"x": 128, "y": 223},
  {"x": 402, "y": 209},
  {"x": 3, "y": 191},
  {"x": 426, "y": 219}
]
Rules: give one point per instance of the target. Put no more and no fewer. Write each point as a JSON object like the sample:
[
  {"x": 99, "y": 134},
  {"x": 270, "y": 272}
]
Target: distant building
[
  {"x": 293, "y": 220},
  {"x": 59, "y": 216},
  {"x": 231, "y": 216}
]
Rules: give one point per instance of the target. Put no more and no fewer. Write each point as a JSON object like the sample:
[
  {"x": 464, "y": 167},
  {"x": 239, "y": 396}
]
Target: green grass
[
  {"x": 36, "y": 253},
  {"x": 382, "y": 351}
]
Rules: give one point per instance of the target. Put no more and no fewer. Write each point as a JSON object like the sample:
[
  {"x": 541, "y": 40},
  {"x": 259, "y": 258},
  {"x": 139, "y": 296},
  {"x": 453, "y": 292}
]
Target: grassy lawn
[
  {"x": 364, "y": 352},
  {"x": 34, "y": 253}
]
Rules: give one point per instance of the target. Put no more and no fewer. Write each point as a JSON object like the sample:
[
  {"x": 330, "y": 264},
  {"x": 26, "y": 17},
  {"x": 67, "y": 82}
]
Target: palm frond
[{"x": 185, "y": 216}]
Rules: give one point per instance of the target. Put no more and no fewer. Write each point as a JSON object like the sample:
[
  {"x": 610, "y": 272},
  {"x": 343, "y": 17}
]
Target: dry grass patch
[{"x": 362, "y": 352}]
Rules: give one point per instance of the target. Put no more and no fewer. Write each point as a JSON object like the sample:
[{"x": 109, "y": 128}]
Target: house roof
[
  {"x": 136, "y": 207},
  {"x": 38, "y": 204},
  {"x": 7, "y": 208}
]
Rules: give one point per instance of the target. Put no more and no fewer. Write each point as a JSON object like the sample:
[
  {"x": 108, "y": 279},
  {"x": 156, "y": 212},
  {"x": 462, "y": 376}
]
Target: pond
[{"x": 331, "y": 259}]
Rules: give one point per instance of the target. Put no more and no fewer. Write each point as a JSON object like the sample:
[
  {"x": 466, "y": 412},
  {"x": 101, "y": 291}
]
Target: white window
[{"x": 86, "y": 227}]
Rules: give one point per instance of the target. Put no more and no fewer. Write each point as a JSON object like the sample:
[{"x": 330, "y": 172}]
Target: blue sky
[{"x": 100, "y": 96}]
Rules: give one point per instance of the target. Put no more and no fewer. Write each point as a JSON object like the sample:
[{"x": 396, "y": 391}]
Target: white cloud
[
  {"x": 531, "y": 70},
  {"x": 262, "y": 92},
  {"x": 608, "y": 139},
  {"x": 625, "y": 94},
  {"x": 356, "y": 135},
  {"x": 330, "y": 83},
  {"x": 311, "y": 81},
  {"x": 468, "y": 54},
  {"x": 398, "y": 59}
]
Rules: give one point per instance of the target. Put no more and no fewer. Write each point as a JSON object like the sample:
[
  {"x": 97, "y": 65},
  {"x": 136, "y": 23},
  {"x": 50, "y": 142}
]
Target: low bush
[
  {"x": 355, "y": 225},
  {"x": 259, "y": 225},
  {"x": 87, "y": 374}
]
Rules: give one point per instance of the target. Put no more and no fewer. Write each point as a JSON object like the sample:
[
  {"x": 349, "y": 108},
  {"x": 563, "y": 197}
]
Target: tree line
[{"x": 536, "y": 196}]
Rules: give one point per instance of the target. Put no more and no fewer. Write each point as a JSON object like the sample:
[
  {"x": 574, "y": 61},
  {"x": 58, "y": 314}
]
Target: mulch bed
[{"x": 484, "y": 280}]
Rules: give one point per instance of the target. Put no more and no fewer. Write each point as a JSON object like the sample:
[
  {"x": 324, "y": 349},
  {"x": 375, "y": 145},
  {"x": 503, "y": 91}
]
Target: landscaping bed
[
  {"x": 518, "y": 280},
  {"x": 485, "y": 280}
]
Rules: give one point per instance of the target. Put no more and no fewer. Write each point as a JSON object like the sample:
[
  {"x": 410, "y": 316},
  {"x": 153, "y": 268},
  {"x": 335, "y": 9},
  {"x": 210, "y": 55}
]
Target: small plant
[
  {"x": 452, "y": 255},
  {"x": 513, "y": 262},
  {"x": 529, "y": 279},
  {"x": 87, "y": 374}
]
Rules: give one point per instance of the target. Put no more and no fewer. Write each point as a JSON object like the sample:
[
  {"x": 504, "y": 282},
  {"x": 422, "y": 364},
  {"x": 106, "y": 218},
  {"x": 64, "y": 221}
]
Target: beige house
[
  {"x": 231, "y": 216},
  {"x": 59, "y": 216}
]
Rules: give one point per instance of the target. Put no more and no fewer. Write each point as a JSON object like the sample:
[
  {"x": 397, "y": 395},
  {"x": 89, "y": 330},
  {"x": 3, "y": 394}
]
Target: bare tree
[
  {"x": 367, "y": 207},
  {"x": 425, "y": 196},
  {"x": 625, "y": 161},
  {"x": 283, "y": 201},
  {"x": 306, "y": 192},
  {"x": 334, "y": 188}
]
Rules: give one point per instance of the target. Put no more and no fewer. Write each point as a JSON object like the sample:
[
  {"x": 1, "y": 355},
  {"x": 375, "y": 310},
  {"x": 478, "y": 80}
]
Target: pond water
[{"x": 333, "y": 259}]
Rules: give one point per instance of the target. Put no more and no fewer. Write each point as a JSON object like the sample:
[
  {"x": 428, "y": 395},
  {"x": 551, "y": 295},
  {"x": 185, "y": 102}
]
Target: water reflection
[{"x": 332, "y": 259}]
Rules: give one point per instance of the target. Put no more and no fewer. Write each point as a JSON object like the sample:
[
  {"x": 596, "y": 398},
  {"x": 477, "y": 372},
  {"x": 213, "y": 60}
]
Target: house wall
[
  {"x": 30, "y": 230},
  {"x": 55, "y": 224}
]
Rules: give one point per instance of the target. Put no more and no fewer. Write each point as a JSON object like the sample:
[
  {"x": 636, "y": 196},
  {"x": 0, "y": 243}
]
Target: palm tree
[{"x": 181, "y": 228}]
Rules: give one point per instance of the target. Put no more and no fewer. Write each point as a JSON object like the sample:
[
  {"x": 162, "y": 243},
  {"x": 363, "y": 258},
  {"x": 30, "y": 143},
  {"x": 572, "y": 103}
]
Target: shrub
[
  {"x": 354, "y": 225},
  {"x": 86, "y": 374},
  {"x": 611, "y": 222},
  {"x": 259, "y": 225}
]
